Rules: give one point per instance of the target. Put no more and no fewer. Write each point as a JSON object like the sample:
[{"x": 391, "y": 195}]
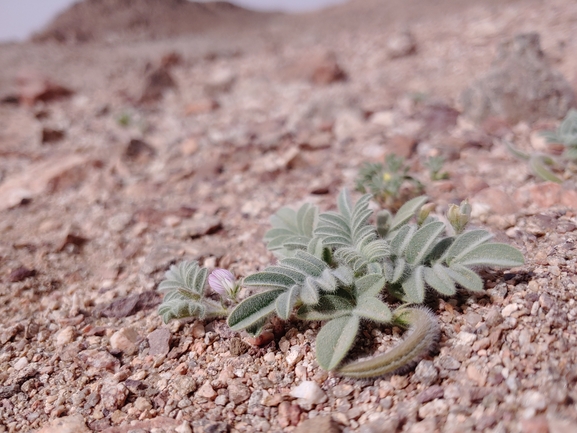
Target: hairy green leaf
[
  {"x": 438, "y": 279},
  {"x": 421, "y": 242},
  {"x": 270, "y": 280},
  {"x": 372, "y": 308},
  {"x": 370, "y": 285},
  {"x": 253, "y": 309},
  {"x": 538, "y": 164},
  {"x": 414, "y": 286},
  {"x": 286, "y": 302},
  {"x": 466, "y": 242},
  {"x": 335, "y": 339},
  {"x": 407, "y": 211},
  {"x": 328, "y": 307},
  {"x": 491, "y": 254},
  {"x": 465, "y": 277}
]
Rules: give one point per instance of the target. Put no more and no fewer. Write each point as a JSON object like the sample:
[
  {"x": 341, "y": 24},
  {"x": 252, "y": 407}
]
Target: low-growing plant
[
  {"x": 435, "y": 166},
  {"x": 338, "y": 268},
  {"x": 545, "y": 165},
  {"x": 390, "y": 183}
]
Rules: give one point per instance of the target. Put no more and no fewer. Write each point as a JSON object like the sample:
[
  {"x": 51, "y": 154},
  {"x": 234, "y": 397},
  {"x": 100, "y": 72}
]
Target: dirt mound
[{"x": 112, "y": 20}]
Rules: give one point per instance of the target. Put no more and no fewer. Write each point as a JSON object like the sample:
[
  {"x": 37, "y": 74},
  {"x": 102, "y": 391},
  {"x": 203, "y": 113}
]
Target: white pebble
[
  {"x": 509, "y": 309},
  {"x": 309, "y": 392},
  {"x": 466, "y": 337}
]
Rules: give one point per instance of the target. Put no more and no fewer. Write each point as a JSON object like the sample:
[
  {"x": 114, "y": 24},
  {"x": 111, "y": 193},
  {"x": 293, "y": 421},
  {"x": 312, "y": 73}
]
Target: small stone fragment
[
  {"x": 309, "y": 392},
  {"x": 20, "y": 274},
  {"x": 65, "y": 336},
  {"x": 113, "y": 396},
  {"x": 426, "y": 373},
  {"x": 534, "y": 400},
  {"x": 159, "y": 342},
  {"x": 99, "y": 359},
  {"x": 402, "y": 44},
  {"x": 206, "y": 391},
  {"x": 430, "y": 394},
  {"x": 238, "y": 392},
  {"x": 125, "y": 340},
  {"x": 509, "y": 309},
  {"x": 68, "y": 424},
  {"x": 319, "y": 424}
]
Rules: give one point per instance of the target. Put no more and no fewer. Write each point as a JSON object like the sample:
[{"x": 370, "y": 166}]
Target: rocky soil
[{"x": 122, "y": 155}]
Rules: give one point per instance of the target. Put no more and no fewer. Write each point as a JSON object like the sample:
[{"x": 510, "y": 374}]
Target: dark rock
[
  {"x": 157, "y": 82},
  {"x": 519, "y": 86},
  {"x": 238, "y": 347},
  {"x": 9, "y": 391},
  {"x": 50, "y": 135},
  {"x": 139, "y": 152},
  {"x": 21, "y": 273}
]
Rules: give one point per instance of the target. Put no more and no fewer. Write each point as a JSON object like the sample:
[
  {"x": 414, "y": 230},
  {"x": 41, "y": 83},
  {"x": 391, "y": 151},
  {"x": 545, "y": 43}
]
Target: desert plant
[
  {"x": 390, "y": 183},
  {"x": 185, "y": 294},
  {"x": 566, "y": 134},
  {"x": 338, "y": 268},
  {"x": 435, "y": 166},
  {"x": 541, "y": 164}
]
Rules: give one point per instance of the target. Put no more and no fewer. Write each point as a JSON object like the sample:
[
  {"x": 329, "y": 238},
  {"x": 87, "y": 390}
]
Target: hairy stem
[{"x": 423, "y": 336}]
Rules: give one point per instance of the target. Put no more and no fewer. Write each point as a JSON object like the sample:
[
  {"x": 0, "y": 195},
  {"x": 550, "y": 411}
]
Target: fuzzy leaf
[
  {"x": 438, "y": 279},
  {"x": 253, "y": 309},
  {"x": 465, "y": 277},
  {"x": 372, "y": 308},
  {"x": 344, "y": 274},
  {"x": 328, "y": 307},
  {"x": 267, "y": 279},
  {"x": 256, "y": 328},
  {"x": 491, "y": 254},
  {"x": 422, "y": 241},
  {"x": 414, "y": 286},
  {"x": 370, "y": 285},
  {"x": 400, "y": 268},
  {"x": 466, "y": 242},
  {"x": 539, "y": 166},
  {"x": 297, "y": 276},
  {"x": 344, "y": 204},
  {"x": 185, "y": 275},
  {"x": 303, "y": 266},
  {"x": 286, "y": 302},
  {"x": 335, "y": 339},
  {"x": 401, "y": 239},
  {"x": 316, "y": 247},
  {"x": 407, "y": 211},
  {"x": 309, "y": 292}
]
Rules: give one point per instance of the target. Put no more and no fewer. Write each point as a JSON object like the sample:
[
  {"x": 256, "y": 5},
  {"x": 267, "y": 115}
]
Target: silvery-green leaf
[
  {"x": 335, "y": 221},
  {"x": 539, "y": 166},
  {"x": 438, "y": 279},
  {"x": 344, "y": 204},
  {"x": 328, "y": 307},
  {"x": 373, "y": 308},
  {"x": 335, "y": 241},
  {"x": 400, "y": 266},
  {"x": 414, "y": 286},
  {"x": 256, "y": 328},
  {"x": 309, "y": 292},
  {"x": 384, "y": 219},
  {"x": 388, "y": 269},
  {"x": 422, "y": 241},
  {"x": 276, "y": 232},
  {"x": 374, "y": 268},
  {"x": 270, "y": 280},
  {"x": 335, "y": 339},
  {"x": 277, "y": 242},
  {"x": 465, "y": 277},
  {"x": 253, "y": 309},
  {"x": 438, "y": 251},
  {"x": 344, "y": 274},
  {"x": 407, "y": 211},
  {"x": 285, "y": 218},
  {"x": 491, "y": 254},
  {"x": 327, "y": 281},
  {"x": 286, "y": 302},
  {"x": 466, "y": 242},
  {"x": 294, "y": 242},
  {"x": 316, "y": 247},
  {"x": 303, "y": 266},
  {"x": 297, "y": 276},
  {"x": 312, "y": 259},
  {"x": 370, "y": 285},
  {"x": 401, "y": 239},
  {"x": 306, "y": 219}
]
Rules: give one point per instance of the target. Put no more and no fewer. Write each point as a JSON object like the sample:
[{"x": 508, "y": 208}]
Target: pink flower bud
[{"x": 223, "y": 282}]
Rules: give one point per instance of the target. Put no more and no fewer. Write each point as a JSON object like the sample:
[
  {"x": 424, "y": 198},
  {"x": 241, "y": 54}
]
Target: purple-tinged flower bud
[{"x": 223, "y": 282}]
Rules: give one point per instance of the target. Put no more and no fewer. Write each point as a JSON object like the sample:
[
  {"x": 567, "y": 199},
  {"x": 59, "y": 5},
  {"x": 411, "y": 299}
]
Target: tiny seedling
[
  {"x": 390, "y": 183},
  {"x": 435, "y": 166},
  {"x": 543, "y": 165}
]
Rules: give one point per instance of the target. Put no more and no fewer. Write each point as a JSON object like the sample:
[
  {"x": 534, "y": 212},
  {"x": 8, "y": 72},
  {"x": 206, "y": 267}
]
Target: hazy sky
[{"x": 19, "y": 18}]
